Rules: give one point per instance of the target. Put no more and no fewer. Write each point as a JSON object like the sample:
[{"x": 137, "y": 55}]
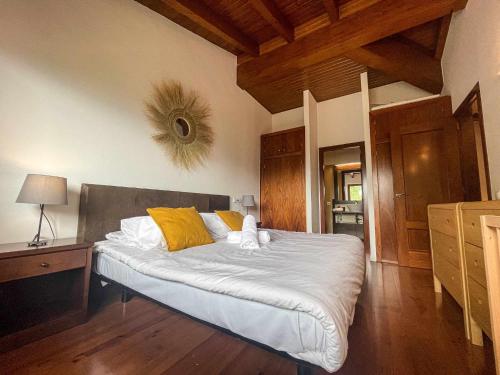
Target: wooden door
[
  {"x": 425, "y": 167},
  {"x": 385, "y": 191}
]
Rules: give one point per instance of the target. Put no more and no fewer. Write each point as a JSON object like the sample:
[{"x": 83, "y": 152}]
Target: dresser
[
  {"x": 447, "y": 254},
  {"x": 475, "y": 266},
  {"x": 43, "y": 290},
  {"x": 458, "y": 260}
]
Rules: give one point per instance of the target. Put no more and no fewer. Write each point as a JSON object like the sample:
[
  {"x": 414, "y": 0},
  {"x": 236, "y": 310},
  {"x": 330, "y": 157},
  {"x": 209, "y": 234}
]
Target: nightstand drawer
[{"x": 35, "y": 265}]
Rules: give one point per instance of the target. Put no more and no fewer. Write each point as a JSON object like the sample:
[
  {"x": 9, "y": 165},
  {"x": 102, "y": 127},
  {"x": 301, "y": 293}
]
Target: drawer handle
[
  {"x": 473, "y": 224},
  {"x": 450, "y": 250},
  {"x": 453, "y": 278},
  {"x": 480, "y": 301},
  {"x": 476, "y": 263},
  {"x": 44, "y": 265}
]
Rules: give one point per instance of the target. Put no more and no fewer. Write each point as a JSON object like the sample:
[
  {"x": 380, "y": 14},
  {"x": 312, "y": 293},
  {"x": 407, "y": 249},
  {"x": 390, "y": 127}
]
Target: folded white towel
[
  {"x": 235, "y": 236},
  {"x": 249, "y": 237}
]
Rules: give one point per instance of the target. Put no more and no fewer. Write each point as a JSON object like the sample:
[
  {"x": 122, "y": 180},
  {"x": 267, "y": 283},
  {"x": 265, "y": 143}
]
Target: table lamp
[
  {"x": 42, "y": 190},
  {"x": 248, "y": 201}
]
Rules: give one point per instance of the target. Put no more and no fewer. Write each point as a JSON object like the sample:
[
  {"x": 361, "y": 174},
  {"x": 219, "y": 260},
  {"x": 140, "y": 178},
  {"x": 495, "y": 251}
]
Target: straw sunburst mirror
[{"x": 181, "y": 122}]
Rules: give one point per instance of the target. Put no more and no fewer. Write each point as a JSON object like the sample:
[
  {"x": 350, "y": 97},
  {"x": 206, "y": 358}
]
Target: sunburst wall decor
[{"x": 181, "y": 121}]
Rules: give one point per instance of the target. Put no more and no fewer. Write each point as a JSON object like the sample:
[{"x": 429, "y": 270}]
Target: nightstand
[{"x": 43, "y": 290}]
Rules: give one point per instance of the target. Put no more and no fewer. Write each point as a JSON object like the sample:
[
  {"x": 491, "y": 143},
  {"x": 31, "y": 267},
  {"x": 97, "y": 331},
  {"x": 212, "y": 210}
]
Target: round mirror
[{"x": 182, "y": 127}]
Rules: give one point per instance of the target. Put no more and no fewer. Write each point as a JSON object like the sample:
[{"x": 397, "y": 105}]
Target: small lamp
[
  {"x": 248, "y": 201},
  {"x": 42, "y": 190}
]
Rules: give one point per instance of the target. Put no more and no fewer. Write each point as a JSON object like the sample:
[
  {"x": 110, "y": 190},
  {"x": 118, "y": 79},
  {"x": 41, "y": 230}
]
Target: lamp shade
[
  {"x": 41, "y": 189},
  {"x": 248, "y": 201}
]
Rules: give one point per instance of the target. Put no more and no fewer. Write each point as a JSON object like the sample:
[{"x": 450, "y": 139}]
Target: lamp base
[{"x": 37, "y": 243}]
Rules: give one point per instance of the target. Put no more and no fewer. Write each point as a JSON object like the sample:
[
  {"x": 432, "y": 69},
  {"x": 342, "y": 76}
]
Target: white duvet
[{"x": 320, "y": 275}]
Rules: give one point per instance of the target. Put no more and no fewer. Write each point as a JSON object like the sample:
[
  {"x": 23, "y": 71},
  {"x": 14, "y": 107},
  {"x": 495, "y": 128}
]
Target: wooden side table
[{"x": 43, "y": 290}]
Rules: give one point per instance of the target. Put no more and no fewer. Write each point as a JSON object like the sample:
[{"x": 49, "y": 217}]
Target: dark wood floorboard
[{"x": 400, "y": 327}]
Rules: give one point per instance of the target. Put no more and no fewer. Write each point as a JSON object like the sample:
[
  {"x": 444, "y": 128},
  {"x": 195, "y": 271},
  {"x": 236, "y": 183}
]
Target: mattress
[{"x": 224, "y": 285}]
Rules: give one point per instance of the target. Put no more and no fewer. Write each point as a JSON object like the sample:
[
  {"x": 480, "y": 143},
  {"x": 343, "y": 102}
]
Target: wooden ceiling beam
[
  {"x": 270, "y": 12},
  {"x": 203, "y": 16},
  {"x": 373, "y": 23},
  {"x": 460, "y": 4},
  {"x": 444, "y": 26},
  {"x": 400, "y": 60},
  {"x": 332, "y": 9}
]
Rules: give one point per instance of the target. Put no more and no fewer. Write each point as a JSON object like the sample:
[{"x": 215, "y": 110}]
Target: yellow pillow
[
  {"x": 233, "y": 219},
  {"x": 181, "y": 227}
]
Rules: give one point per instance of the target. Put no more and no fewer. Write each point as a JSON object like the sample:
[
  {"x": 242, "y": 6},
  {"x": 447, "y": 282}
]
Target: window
[{"x": 355, "y": 192}]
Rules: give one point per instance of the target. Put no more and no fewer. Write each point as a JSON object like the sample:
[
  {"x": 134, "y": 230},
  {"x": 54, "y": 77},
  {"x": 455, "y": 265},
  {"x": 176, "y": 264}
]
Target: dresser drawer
[
  {"x": 450, "y": 277},
  {"x": 479, "y": 308},
  {"x": 472, "y": 225},
  {"x": 474, "y": 259},
  {"x": 35, "y": 265},
  {"x": 442, "y": 220},
  {"x": 446, "y": 247}
]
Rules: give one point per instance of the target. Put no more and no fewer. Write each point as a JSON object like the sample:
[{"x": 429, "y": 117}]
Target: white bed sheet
[
  {"x": 258, "y": 294},
  {"x": 285, "y": 330}
]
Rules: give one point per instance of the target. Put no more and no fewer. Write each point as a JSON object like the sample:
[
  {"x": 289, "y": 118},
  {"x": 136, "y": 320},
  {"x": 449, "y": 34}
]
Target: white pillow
[
  {"x": 215, "y": 225},
  {"x": 143, "y": 231}
]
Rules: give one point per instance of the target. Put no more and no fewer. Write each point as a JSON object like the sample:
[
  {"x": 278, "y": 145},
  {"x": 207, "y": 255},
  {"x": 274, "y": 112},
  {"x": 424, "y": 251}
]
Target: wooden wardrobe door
[
  {"x": 282, "y": 186},
  {"x": 424, "y": 153},
  {"x": 270, "y": 193},
  {"x": 293, "y": 206}
]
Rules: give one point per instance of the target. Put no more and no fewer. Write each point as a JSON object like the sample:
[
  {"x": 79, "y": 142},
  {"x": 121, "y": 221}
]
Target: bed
[{"x": 295, "y": 295}]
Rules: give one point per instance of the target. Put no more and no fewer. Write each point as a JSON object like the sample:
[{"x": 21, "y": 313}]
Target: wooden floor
[{"x": 401, "y": 327}]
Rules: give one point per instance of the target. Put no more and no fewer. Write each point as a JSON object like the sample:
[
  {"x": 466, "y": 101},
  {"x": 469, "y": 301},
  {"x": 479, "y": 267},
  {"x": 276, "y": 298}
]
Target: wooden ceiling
[{"x": 287, "y": 46}]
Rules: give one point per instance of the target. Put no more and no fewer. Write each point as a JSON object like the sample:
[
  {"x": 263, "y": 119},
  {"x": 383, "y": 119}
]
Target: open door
[{"x": 425, "y": 170}]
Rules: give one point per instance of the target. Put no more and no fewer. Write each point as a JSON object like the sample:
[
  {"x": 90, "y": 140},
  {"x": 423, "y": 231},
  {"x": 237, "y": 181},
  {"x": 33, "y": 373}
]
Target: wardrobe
[{"x": 282, "y": 180}]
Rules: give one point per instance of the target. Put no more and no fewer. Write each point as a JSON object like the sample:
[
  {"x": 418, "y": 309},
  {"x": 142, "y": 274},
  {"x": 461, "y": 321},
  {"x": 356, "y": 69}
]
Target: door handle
[{"x": 399, "y": 195}]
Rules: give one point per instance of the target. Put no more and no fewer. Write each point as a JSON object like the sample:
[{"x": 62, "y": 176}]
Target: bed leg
[
  {"x": 126, "y": 295},
  {"x": 303, "y": 369}
]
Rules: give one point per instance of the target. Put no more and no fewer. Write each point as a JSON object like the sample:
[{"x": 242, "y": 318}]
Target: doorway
[
  {"x": 342, "y": 188},
  {"x": 471, "y": 140}
]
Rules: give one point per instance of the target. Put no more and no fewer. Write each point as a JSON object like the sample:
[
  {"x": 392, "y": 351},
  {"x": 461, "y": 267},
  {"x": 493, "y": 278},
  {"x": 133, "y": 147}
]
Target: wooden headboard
[{"x": 102, "y": 206}]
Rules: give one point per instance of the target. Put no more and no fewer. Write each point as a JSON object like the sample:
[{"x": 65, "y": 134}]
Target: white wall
[
  {"x": 394, "y": 93},
  {"x": 472, "y": 54},
  {"x": 312, "y": 170},
  {"x": 340, "y": 120},
  {"x": 288, "y": 119},
  {"x": 74, "y": 76}
]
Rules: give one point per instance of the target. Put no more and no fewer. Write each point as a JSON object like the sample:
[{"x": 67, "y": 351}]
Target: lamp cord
[{"x": 50, "y": 225}]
